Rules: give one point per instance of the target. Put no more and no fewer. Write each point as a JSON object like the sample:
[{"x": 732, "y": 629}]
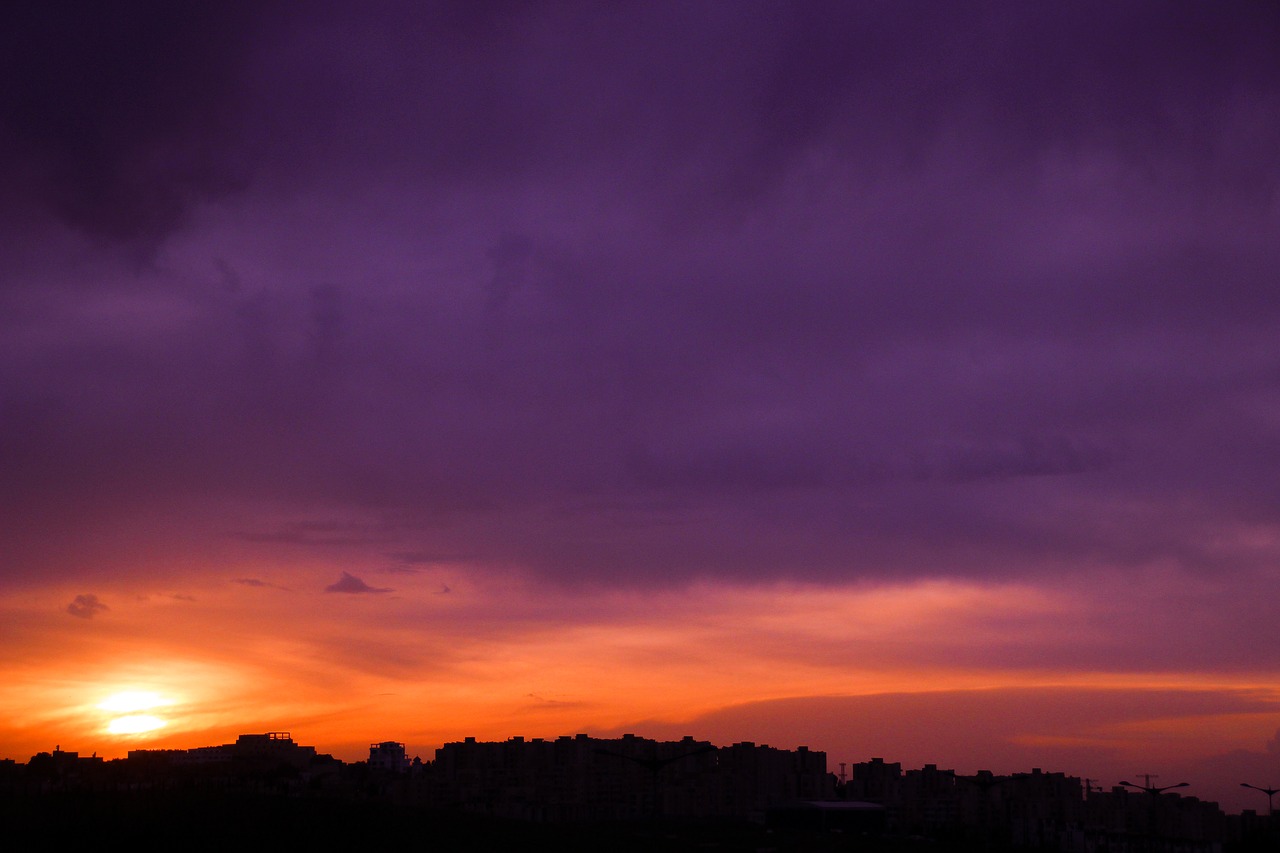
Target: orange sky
[{"x": 923, "y": 672}]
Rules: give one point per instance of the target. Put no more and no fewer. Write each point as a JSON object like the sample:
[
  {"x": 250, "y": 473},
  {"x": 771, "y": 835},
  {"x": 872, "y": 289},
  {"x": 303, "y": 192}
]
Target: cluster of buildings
[
  {"x": 626, "y": 778},
  {"x": 580, "y": 778},
  {"x": 268, "y": 761},
  {"x": 566, "y": 779},
  {"x": 1043, "y": 811}
]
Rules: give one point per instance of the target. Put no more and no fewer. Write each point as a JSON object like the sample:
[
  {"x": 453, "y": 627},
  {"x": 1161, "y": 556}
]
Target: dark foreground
[
  {"x": 211, "y": 821},
  {"x": 238, "y": 821}
]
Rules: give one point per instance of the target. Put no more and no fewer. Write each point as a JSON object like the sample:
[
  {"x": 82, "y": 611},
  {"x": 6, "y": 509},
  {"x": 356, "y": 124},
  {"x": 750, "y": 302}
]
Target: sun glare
[
  {"x": 129, "y": 701},
  {"x": 134, "y": 724},
  {"x": 128, "y": 704}
]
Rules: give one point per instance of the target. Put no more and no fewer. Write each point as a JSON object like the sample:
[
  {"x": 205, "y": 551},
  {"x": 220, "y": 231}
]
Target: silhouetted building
[
  {"x": 875, "y": 781},
  {"x": 585, "y": 778},
  {"x": 757, "y": 778},
  {"x": 1044, "y": 810},
  {"x": 1161, "y": 823},
  {"x": 270, "y": 760},
  {"x": 581, "y": 778},
  {"x": 929, "y": 799},
  {"x": 270, "y": 748},
  {"x": 388, "y": 755}
]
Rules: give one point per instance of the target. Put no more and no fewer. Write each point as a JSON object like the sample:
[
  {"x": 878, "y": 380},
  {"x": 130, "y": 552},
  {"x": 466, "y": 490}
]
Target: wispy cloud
[
  {"x": 257, "y": 583},
  {"x": 326, "y": 533},
  {"x": 425, "y": 558}
]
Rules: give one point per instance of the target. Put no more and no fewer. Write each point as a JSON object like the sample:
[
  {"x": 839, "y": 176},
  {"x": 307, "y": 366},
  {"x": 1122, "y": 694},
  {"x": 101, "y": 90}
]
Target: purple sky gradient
[
  {"x": 636, "y": 295},
  {"x": 655, "y": 291}
]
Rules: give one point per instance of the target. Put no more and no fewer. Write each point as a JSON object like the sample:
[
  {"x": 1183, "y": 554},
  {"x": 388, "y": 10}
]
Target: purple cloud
[
  {"x": 824, "y": 290},
  {"x": 107, "y": 104},
  {"x": 351, "y": 583},
  {"x": 254, "y": 582},
  {"x": 86, "y": 606}
]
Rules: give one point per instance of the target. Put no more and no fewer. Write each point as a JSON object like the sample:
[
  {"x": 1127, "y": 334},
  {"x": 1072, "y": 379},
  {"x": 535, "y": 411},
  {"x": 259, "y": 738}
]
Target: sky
[{"x": 897, "y": 379}]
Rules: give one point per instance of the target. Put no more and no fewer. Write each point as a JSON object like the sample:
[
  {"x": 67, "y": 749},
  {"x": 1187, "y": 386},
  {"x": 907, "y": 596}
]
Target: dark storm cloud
[
  {"x": 121, "y": 116},
  {"x": 651, "y": 291},
  {"x": 116, "y": 117}
]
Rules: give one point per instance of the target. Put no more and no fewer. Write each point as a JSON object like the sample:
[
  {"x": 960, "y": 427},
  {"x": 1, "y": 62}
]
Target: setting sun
[
  {"x": 134, "y": 724},
  {"x": 128, "y": 703}
]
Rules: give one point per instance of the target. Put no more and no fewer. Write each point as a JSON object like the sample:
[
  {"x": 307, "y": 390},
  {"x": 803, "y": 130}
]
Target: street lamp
[
  {"x": 1152, "y": 789},
  {"x": 1155, "y": 793},
  {"x": 654, "y": 765},
  {"x": 1270, "y": 792}
]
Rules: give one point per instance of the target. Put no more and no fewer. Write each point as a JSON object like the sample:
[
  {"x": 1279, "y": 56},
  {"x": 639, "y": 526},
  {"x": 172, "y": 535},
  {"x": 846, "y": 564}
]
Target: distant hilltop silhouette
[{"x": 579, "y": 779}]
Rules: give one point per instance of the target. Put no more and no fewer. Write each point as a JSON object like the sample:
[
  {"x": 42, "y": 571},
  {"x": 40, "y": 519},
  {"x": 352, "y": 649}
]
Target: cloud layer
[{"x": 652, "y": 293}]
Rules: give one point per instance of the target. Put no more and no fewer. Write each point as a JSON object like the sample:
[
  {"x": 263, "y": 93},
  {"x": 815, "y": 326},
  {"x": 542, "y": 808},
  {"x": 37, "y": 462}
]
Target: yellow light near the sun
[
  {"x": 128, "y": 704},
  {"x": 128, "y": 701},
  {"x": 134, "y": 724}
]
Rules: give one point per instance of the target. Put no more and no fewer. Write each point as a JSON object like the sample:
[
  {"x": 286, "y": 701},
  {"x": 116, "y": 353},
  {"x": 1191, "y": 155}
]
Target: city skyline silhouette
[
  {"x": 689, "y": 790},
  {"x": 673, "y": 751}
]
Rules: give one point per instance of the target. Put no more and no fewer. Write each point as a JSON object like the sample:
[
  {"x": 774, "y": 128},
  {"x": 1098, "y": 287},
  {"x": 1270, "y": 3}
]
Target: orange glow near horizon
[{"x": 496, "y": 657}]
